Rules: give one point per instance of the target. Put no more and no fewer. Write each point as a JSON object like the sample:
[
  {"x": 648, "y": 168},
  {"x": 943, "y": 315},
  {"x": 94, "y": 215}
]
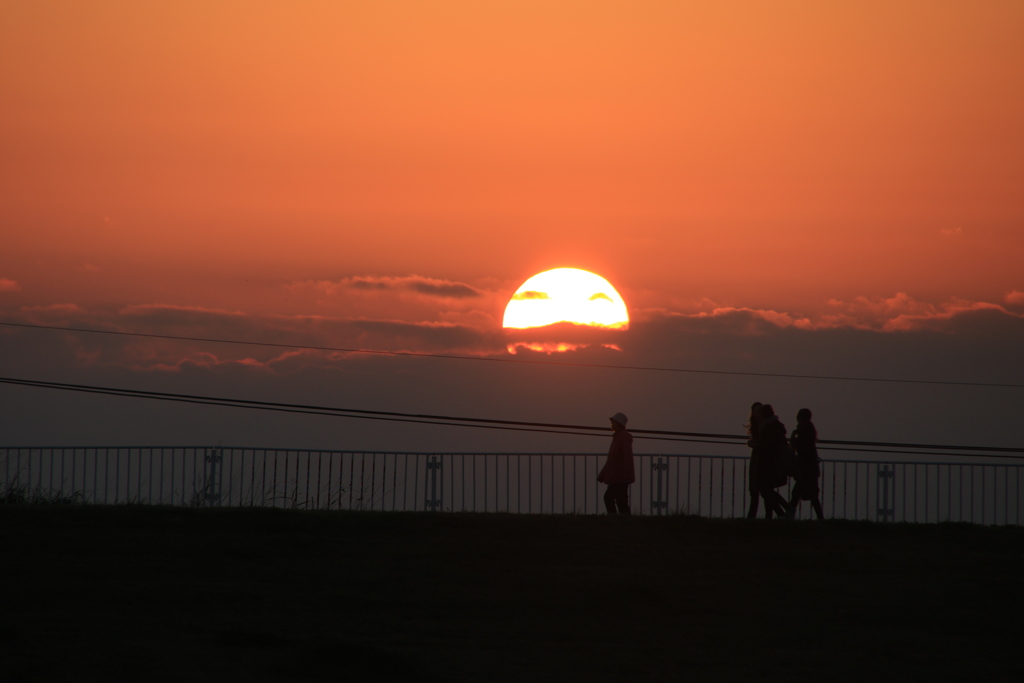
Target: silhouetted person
[
  {"x": 618, "y": 471},
  {"x": 752, "y": 432},
  {"x": 771, "y": 441},
  {"x": 804, "y": 439}
]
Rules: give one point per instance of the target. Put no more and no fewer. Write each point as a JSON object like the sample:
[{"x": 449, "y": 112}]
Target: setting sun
[{"x": 566, "y": 295}]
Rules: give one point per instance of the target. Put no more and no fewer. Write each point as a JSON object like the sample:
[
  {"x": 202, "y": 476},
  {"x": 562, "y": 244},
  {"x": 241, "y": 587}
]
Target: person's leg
[
  {"x": 609, "y": 499},
  {"x": 768, "y": 507},
  {"x": 778, "y": 503},
  {"x": 816, "y": 504},
  {"x": 622, "y": 499},
  {"x": 794, "y": 504},
  {"x": 754, "y": 498},
  {"x": 755, "y": 492}
]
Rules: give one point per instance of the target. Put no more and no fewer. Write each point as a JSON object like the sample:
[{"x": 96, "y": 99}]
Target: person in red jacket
[{"x": 618, "y": 471}]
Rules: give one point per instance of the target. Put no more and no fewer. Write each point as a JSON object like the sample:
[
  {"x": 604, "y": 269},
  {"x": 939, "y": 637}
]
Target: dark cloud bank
[
  {"x": 969, "y": 345},
  {"x": 413, "y": 283}
]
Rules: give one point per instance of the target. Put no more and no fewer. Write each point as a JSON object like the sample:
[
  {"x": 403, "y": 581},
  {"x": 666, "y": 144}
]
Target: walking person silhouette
[
  {"x": 771, "y": 440},
  {"x": 618, "y": 471},
  {"x": 752, "y": 431},
  {"x": 803, "y": 440}
]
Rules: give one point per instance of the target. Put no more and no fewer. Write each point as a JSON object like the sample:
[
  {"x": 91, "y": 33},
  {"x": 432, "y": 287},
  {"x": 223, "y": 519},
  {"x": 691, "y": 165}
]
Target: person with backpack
[{"x": 803, "y": 440}]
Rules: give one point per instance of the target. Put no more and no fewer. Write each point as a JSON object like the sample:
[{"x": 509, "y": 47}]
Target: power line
[
  {"x": 490, "y": 359},
  {"x": 260, "y": 405},
  {"x": 507, "y": 425}
]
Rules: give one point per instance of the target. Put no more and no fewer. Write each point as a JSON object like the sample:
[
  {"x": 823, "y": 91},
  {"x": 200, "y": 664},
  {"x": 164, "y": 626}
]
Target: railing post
[
  {"x": 433, "y": 472},
  {"x": 659, "y": 475},
  {"x": 886, "y": 474},
  {"x": 213, "y": 474}
]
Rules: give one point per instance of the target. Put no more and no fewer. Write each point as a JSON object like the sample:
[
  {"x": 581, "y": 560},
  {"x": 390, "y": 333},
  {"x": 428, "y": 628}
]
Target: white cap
[{"x": 620, "y": 418}]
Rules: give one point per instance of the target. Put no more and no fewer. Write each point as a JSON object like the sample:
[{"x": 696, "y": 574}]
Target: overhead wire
[
  {"x": 511, "y": 425},
  {"x": 492, "y": 359}
]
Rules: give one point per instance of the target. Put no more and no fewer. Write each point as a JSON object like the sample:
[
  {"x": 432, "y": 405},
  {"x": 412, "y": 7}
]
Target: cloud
[
  {"x": 297, "y": 330},
  {"x": 8, "y": 285},
  {"x": 453, "y": 290},
  {"x": 430, "y": 287},
  {"x": 777, "y": 318},
  {"x": 600, "y": 295},
  {"x": 1015, "y": 297},
  {"x": 142, "y": 309},
  {"x": 969, "y": 343},
  {"x": 189, "y": 321},
  {"x": 951, "y": 232},
  {"x": 354, "y": 283},
  {"x": 198, "y": 323},
  {"x": 173, "y": 313},
  {"x": 958, "y": 340},
  {"x": 51, "y": 314},
  {"x": 523, "y": 296},
  {"x": 211, "y": 361},
  {"x": 670, "y": 336},
  {"x": 412, "y": 298},
  {"x": 898, "y": 313},
  {"x": 54, "y": 308}
]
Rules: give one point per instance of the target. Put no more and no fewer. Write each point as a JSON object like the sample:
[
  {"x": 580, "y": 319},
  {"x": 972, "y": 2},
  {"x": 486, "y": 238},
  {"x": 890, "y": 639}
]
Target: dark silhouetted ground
[{"x": 161, "y": 594}]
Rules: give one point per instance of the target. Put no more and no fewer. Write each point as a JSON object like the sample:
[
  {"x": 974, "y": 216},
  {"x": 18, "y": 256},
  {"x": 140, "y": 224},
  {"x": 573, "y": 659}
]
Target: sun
[{"x": 568, "y": 295}]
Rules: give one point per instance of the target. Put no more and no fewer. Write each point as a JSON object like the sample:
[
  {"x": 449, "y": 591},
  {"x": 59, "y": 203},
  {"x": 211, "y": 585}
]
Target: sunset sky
[{"x": 781, "y": 187}]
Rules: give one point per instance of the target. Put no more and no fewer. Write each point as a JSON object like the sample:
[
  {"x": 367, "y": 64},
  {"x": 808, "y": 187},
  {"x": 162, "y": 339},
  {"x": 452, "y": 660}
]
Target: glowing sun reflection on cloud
[{"x": 564, "y": 297}]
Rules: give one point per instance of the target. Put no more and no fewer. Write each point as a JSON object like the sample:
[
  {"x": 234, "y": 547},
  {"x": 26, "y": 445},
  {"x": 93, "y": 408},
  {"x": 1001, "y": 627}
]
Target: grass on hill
[{"x": 168, "y": 594}]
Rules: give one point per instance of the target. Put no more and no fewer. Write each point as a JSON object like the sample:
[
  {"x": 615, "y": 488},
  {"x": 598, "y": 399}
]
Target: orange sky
[
  {"x": 770, "y": 155},
  {"x": 809, "y": 188}
]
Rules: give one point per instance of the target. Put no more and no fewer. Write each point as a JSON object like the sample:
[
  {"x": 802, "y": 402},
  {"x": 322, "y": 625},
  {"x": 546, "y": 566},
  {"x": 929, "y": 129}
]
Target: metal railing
[{"x": 534, "y": 483}]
